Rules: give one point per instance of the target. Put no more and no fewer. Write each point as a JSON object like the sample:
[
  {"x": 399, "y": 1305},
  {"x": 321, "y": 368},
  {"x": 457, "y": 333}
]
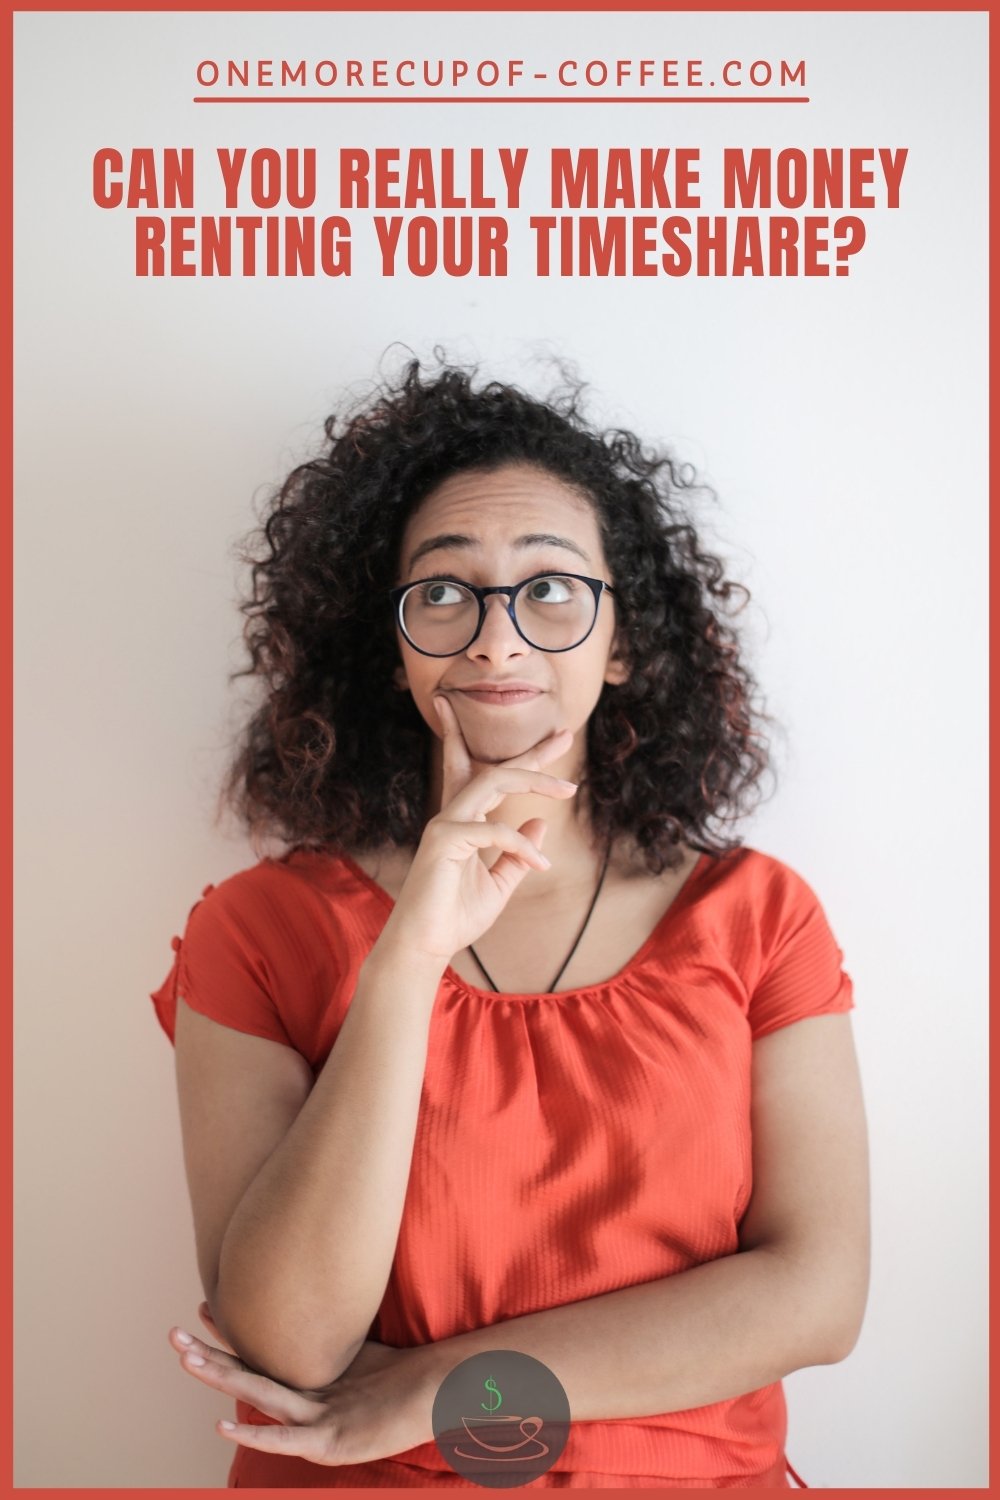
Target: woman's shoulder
[
  {"x": 280, "y": 878},
  {"x": 753, "y": 872},
  {"x": 763, "y": 903},
  {"x": 758, "y": 891},
  {"x": 297, "y": 908}
]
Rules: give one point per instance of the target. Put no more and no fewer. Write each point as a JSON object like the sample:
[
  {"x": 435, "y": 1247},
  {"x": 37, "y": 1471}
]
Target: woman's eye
[
  {"x": 441, "y": 592},
  {"x": 551, "y": 590}
]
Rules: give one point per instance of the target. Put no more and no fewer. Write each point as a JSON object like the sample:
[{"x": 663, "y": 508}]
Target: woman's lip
[{"x": 507, "y": 695}]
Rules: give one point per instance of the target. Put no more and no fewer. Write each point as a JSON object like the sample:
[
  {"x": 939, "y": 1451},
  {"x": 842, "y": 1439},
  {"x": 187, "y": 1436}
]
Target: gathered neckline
[{"x": 456, "y": 980}]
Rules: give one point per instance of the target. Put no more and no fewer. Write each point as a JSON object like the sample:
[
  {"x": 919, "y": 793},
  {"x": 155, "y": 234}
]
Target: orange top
[{"x": 567, "y": 1144}]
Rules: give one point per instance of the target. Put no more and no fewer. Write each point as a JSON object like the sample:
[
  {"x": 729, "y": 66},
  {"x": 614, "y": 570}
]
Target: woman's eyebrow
[{"x": 456, "y": 539}]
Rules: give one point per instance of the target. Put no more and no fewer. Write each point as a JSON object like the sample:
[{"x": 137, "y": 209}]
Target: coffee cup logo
[{"x": 501, "y": 1418}]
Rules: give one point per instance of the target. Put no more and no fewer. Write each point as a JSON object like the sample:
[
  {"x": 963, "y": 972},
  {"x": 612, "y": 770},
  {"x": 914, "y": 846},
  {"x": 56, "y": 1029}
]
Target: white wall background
[{"x": 842, "y": 423}]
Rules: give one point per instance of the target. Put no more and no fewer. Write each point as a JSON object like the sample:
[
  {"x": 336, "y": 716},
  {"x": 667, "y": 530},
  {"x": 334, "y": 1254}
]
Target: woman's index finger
[{"x": 456, "y": 764}]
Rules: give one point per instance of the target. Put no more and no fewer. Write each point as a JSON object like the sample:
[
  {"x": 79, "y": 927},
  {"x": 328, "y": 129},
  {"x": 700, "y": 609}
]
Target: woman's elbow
[
  {"x": 270, "y": 1347},
  {"x": 826, "y": 1300},
  {"x": 844, "y": 1319},
  {"x": 845, "y": 1340}
]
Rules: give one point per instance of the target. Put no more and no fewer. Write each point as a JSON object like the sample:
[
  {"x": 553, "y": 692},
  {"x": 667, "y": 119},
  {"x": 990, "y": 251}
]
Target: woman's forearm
[
  {"x": 307, "y": 1254},
  {"x": 707, "y": 1334}
]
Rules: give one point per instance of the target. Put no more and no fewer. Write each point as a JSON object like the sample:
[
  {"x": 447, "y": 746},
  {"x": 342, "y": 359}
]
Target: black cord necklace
[{"x": 593, "y": 903}]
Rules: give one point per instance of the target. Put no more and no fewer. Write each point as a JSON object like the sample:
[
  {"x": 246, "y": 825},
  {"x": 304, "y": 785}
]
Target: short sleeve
[
  {"x": 803, "y": 974},
  {"x": 220, "y": 971}
]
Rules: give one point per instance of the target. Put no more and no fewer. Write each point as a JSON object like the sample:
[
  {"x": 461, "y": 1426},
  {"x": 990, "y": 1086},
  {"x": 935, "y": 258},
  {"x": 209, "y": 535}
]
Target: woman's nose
[{"x": 498, "y": 635}]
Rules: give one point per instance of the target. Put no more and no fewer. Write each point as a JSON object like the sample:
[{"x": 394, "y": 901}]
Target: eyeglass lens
[{"x": 553, "y": 613}]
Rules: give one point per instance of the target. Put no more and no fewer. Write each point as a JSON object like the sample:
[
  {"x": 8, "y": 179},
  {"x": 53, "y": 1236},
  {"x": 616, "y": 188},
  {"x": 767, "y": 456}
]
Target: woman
[{"x": 500, "y": 1053}]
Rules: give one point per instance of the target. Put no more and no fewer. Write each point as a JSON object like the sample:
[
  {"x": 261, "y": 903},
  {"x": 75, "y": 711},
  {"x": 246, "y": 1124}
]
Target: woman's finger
[
  {"x": 488, "y": 790},
  {"x": 509, "y": 870},
  {"x": 311, "y": 1443},
  {"x": 267, "y": 1396},
  {"x": 463, "y": 838},
  {"x": 456, "y": 764},
  {"x": 224, "y": 1372},
  {"x": 538, "y": 755},
  {"x": 186, "y": 1343}
]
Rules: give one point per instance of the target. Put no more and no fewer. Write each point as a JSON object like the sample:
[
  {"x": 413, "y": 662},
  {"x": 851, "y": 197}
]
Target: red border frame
[{"x": 6, "y": 644}]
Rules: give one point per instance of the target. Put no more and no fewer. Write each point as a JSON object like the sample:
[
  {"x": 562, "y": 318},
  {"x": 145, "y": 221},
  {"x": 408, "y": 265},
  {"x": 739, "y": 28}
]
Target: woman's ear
[
  {"x": 618, "y": 669},
  {"x": 399, "y": 681}
]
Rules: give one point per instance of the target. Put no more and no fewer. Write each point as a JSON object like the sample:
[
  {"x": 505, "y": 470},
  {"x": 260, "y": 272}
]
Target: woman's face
[{"x": 500, "y": 528}]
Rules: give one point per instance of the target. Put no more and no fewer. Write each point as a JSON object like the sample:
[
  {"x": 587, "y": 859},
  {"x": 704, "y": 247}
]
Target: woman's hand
[
  {"x": 381, "y": 1404},
  {"x": 449, "y": 897}
]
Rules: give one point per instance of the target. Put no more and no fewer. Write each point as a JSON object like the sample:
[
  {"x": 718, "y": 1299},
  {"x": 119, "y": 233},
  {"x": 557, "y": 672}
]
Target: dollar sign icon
[{"x": 490, "y": 1385}]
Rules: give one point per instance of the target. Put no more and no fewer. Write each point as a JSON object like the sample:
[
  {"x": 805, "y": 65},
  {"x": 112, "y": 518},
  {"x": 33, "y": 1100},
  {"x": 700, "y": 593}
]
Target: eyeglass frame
[{"x": 597, "y": 586}]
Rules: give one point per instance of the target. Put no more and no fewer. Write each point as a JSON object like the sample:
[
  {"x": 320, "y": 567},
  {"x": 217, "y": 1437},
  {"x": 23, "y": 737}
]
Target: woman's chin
[{"x": 498, "y": 742}]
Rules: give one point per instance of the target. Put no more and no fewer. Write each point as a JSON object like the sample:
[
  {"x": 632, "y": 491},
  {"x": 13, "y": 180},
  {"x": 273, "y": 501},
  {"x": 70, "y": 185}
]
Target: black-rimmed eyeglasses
[{"x": 442, "y": 616}]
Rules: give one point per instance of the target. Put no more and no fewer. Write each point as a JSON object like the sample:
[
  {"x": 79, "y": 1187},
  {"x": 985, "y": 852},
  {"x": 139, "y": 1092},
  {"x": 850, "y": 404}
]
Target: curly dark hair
[{"x": 336, "y": 758}]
